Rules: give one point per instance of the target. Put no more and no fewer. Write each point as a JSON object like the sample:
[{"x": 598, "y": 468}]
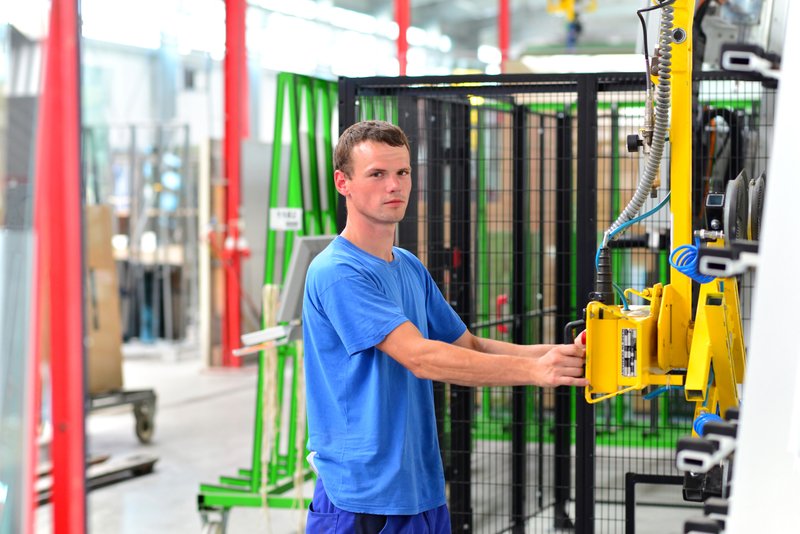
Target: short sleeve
[
  {"x": 444, "y": 324},
  {"x": 360, "y": 313}
]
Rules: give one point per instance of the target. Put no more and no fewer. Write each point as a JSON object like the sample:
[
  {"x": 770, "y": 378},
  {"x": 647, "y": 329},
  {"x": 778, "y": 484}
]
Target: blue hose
[
  {"x": 621, "y": 295},
  {"x": 701, "y": 420},
  {"x": 685, "y": 260},
  {"x": 640, "y": 217},
  {"x": 619, "y": 229},
  {"x": 658, "y": 391}
]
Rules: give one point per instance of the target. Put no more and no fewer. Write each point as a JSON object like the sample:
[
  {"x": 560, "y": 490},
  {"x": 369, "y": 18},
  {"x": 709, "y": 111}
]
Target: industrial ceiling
[{"x": 611, "y": 27}]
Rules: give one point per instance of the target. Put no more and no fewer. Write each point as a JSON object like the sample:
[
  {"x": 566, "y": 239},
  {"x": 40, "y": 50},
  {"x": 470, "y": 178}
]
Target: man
[{"x": 377, "y": 331}]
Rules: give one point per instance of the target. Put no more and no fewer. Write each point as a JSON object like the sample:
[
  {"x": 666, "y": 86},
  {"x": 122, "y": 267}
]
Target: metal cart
[{"x": 144, "y": 408}]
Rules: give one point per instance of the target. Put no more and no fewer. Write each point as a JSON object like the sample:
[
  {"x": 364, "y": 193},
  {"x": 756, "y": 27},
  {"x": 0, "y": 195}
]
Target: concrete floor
[{"x": 203, "y": 429}]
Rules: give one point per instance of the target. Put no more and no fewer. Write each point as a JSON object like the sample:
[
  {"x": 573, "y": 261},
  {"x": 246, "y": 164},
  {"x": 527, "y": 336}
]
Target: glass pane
[{"x": 20, "y": 66}]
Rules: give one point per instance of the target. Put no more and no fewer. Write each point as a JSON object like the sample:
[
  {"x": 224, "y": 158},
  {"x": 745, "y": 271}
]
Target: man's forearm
[
  {"x": 493, "y": 346},
  {"x": 463, "y": 364},
  {"x": 468, "y": 367}
]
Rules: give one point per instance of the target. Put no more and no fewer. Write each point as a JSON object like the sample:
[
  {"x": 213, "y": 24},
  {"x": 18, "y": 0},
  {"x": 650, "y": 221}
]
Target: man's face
[{"x": 380, "y": 185}]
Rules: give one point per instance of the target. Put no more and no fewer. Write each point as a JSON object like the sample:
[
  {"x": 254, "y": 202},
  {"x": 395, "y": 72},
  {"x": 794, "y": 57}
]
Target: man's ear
[{"x": 341, "y": 182}]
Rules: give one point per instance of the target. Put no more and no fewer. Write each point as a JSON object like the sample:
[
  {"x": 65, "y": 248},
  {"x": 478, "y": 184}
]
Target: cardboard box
[{"x": 103, "y": 318}]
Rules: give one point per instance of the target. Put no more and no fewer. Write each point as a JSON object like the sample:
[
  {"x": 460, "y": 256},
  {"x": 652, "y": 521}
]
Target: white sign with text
[{"x": 290, "y": 219}]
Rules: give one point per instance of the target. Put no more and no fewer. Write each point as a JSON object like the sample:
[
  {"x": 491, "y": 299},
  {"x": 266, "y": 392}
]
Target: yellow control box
[{"x": 621, "y": 348}]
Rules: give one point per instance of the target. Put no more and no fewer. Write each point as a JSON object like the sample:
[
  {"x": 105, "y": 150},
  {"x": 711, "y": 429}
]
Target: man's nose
[{"x": 393, "y": 184}]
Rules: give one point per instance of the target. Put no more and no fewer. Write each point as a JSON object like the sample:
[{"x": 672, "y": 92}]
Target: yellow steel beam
[
  {"x": 674, "y": 330},
  {"x": 721, "y": 351},
  {"x": 665, "y": 380},
  {"x": 731, "y": 291},
  {"x": 709, "y": 406},
  {"x": 700, "y": 363},
  {"x": 681, "y": 172},
  {"x": 717, "y": 342}
]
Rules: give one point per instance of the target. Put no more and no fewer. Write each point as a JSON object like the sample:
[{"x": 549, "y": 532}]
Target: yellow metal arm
[
  {"x": 681, "y": 180},
  {"x": 717, "y": 340},
  {"x": 660, "y": 344}
]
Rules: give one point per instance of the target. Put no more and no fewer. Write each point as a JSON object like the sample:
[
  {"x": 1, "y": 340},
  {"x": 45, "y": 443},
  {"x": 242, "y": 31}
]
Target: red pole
[
  {"x": 57, "y": 218},
  {"x": 235, "y": 106},
  {"x": 402, "y": 15},
  {"x": 504, "y": 32}
]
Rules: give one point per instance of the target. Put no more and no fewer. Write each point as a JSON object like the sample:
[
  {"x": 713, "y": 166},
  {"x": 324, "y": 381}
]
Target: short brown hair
[{"x": 360, "y": 132}]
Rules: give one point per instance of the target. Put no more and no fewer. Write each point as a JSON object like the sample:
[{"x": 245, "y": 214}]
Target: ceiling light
[
  {"x": 489, "y": 54},
  {"x": 352, "y": 20},
  {"x": 389, "y": 29},
  {"x": 416, "y": 36}
]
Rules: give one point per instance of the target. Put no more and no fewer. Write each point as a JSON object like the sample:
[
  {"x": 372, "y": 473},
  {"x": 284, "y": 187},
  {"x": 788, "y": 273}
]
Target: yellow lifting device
[
  {"x": 570, "y": 8},
  {"x": 659, "y": 343}
]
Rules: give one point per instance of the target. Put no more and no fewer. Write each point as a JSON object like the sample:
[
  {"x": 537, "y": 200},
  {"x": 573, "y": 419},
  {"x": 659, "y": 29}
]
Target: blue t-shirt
[{"x": 370, "y": 420}]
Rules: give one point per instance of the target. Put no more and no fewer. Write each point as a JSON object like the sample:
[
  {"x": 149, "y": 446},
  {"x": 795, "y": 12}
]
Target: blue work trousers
[{"x": 325, "y": 518}]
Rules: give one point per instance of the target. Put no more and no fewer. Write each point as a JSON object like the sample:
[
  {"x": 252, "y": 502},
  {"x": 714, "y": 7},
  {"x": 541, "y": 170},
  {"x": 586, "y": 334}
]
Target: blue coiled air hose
[
  {"x": 685, "y": 260},
  {"x": 701, "y": 420}
]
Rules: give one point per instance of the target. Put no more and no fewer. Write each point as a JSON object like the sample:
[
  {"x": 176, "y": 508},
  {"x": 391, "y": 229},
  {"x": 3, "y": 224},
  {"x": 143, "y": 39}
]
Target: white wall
[
  {"x": 117, "y": 83},
  {"x": 118, "y": 89},
  {"x": 202, "y": 107}
]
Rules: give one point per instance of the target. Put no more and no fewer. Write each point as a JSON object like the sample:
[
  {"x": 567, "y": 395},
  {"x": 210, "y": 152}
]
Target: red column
[
  {"x": 402, "y": 15},
  {"x": 57, "y": 219},
  {"x": 504, "y": 32},
  {"x": 235, "y": 114}
]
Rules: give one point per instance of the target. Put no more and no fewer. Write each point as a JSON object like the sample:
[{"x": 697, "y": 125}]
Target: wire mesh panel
[
  {"x": 733, "y": 135},
  {"x": 636, "y": 437},
  {"x": 515, "y": 178},
  {"x": 492, "y": 218},
  {"x": 633, "y": 435}
]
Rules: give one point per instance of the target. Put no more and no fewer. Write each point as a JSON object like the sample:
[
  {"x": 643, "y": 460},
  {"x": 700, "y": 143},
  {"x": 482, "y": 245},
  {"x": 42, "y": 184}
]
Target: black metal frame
[
  {"x": 461, "y": 398},
  {"x": 576, "y": 212},
  {"x": 631, "y": 479},
  {"x": 564, "y": 314},
  {"x": 586, "y": 222},
  {"x": 520, "y": 255}
]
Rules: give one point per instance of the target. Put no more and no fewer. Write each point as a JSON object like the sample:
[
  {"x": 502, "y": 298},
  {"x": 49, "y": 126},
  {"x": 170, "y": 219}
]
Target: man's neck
[{"x": 375, "y": 240}]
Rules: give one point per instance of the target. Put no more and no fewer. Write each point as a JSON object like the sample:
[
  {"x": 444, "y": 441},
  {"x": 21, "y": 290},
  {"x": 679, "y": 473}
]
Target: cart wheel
[
  {"x": 144, "y": 421},
  {"x": 213, "y": 527}
]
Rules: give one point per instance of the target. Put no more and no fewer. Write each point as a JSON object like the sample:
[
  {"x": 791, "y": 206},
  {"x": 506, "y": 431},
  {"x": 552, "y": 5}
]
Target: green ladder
[{"x": 304, "y": 116}]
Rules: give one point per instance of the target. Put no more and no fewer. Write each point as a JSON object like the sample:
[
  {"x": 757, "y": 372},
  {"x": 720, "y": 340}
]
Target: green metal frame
[
  {"x": 379, "y": 108},
  {"x": 310, "y": 100}
]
